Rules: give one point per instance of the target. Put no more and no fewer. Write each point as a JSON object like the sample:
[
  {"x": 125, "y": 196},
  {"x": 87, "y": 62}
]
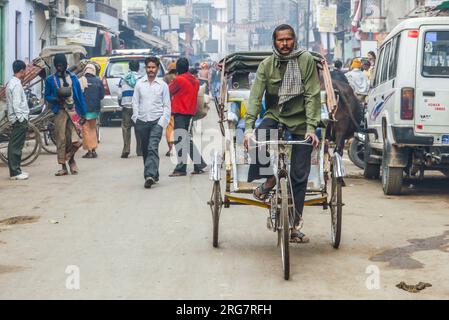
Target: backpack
[{"x": 203, "y": 104}]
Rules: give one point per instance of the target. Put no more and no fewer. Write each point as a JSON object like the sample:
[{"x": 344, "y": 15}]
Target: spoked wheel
[
  {"x": 215, "y": 203},
  {"x": 31, "y": 148},
  {"x": 49, "y": 139},
  {"x": 284, "y": 228},
  {"x": 336, "y": 207}
]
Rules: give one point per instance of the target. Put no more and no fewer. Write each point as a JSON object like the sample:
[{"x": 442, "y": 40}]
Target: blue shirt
[{"x": 51, "y": 94}]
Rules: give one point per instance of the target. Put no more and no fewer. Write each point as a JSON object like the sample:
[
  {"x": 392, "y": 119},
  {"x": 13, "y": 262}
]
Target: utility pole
[
  {"x": 54, "y": 11},
  {"x": 328, "y": 40},
  {"x": 307, "y": 25}
]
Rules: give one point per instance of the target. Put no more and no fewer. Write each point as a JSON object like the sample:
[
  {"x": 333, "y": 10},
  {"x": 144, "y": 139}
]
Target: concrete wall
[{"x": 22, "y": 32}]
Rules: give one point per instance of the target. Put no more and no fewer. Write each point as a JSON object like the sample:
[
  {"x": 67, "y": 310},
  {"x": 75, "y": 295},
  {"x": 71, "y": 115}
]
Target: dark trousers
[
  {"x": 299, "y": 166},
  {"x": 184, "y": 145},
  {"x": 127, "y": 124},
  {"x": 15, "y": 146},
  {"x": 150, "y": 134}
]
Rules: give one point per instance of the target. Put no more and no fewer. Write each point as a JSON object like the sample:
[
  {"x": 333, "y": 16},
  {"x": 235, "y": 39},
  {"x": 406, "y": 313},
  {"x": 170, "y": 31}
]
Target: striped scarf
[{"x": 292, "y": 83}]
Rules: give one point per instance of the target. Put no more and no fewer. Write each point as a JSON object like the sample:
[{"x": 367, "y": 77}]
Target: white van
[{"x": 408, "y": 105}]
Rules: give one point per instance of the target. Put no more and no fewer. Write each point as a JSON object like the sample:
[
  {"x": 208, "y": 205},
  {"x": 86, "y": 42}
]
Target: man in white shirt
[
  {"x": 151, "y": 114},
  {"x": 18, "y": 113},
  {"x": 358, "y": 80}
]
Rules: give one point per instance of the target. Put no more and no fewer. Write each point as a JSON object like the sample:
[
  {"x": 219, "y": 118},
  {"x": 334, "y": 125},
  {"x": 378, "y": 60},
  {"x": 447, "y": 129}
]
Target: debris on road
[
  {"x": 53, "y": 221},
  {"x": 413, "y": 288}
]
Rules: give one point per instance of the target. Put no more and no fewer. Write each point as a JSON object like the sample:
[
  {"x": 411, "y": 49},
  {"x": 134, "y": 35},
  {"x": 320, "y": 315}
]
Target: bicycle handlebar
[{"x": 307, "y": 142}]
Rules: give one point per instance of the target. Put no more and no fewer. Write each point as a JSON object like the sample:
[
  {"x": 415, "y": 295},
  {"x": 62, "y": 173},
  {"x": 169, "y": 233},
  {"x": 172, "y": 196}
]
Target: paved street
[{"x": 133, "y": 243}]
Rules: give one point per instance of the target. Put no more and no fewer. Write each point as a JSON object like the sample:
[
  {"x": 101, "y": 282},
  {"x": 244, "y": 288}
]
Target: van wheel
[
  {"x": 356, "y": 153},
  {"x": 105, "y": 120},
  {"x": 392, "y": 180}
]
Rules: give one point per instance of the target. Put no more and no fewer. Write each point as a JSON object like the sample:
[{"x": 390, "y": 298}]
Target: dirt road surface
[{"x": 127, "y": 242}]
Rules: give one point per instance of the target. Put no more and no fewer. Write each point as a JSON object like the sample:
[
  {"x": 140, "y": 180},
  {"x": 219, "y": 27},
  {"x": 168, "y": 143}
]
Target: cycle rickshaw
[{"x": 327, "y": 172}]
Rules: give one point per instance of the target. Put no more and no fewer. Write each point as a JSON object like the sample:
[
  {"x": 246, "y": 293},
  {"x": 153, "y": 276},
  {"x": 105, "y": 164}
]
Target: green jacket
[{"x": 300, "y": 115}]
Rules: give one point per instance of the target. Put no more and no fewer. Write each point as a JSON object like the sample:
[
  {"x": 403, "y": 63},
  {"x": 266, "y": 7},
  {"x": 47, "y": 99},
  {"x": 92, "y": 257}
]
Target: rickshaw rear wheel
[
  {"x": 336, "y": 207},
  {"x": 215, "y": 204},
  {"x": 284, "y": 228}
]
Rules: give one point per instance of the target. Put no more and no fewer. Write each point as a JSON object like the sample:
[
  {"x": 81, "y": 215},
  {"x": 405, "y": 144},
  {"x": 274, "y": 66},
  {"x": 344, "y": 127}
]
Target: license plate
[{"x": 445, "y": 139}]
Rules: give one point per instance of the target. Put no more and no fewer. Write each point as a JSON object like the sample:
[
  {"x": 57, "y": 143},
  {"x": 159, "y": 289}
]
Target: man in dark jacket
[
  {"x": 63, "y": 92},
  {"x": 337, "y": 74},
  {"x": 184, "y": 93}
]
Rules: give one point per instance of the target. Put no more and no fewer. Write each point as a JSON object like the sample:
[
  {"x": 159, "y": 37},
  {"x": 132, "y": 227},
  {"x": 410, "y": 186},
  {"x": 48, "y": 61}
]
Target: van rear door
[{"x": 432, "y": 82}]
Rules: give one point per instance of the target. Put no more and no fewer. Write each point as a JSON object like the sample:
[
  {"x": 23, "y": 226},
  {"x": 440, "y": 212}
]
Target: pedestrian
[
  {"x": 125, "y": 99},
  {"x": 358, "y": 80},
  {"x": 63, "y": 92},
  {"x": 184, "y": 92},
  {"x": 18, "y": 113},
  {"x": 93, "y": 91},
  {"x": 151, "y": 114},
  {"x": 366, "y": 67},
  {"x": 215, "y": 78},
  {"x": 337, "y": 74},
  {"x": 169, "y": 131},
  {"x": 293, "y": 102},
  {"x": 204, "y": 76}
]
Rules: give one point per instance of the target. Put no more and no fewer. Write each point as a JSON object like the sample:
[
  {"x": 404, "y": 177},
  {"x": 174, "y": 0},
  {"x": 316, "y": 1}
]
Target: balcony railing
[{"x": 104, "y": 8}]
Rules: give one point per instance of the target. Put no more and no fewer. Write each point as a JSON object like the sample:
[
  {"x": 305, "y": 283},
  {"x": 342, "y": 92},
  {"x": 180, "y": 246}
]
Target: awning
[
  {"x": 152, "y": 40},
  {"x": 91, "y": 23}
]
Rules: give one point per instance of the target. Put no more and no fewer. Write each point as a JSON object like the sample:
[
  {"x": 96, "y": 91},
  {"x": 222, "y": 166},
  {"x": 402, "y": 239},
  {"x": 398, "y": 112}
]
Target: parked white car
[{"x": 408, "y": 105}]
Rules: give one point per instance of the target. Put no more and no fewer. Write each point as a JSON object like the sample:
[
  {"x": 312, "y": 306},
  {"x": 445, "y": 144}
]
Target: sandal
[
  {"x": 262, "y": 191},
  {"x": 61, "y": 173},
  {"x": 299, "y": 237},
  {"x": 177, "y": 174}
]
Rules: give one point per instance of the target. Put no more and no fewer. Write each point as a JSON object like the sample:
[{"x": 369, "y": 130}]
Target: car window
[
  {"x": 379, "y": 67},
  {"x": 436, "y": 54},
  {"x": 118, "y": 69},
  {"x": 394, "y": 58},
  {"x": 385, "y": 63}
]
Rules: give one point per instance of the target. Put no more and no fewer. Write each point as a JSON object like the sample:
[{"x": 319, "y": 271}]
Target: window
[
  {"x": 385, "y": 60},
  {"x": 379, "y": 67},
  {"x": 436, "y": 54},
  {"x": 394, "y": 58},
  {"x": 118, "y": 69}
]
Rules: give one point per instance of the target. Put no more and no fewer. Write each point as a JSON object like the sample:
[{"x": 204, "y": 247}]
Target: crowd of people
[
  {"x": 149, "y": 104},
  {"x": 358, "y": 75}
]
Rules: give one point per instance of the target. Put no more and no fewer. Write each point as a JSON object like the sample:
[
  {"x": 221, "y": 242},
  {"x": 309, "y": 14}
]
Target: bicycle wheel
[
  {"x": 284, "y": 228},
  {"x": 215, "y": 203},
  {"x": 31, "y": 148},
  {"x": 48, "y": 139},
  {"x": 336, "y": 207}
]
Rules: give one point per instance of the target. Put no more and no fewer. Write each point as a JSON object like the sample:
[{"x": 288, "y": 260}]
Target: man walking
[
  {"x": 151, "y": 114},
  {"x": 63, "y": 92},
  {"x": 18, "y": 113},
  {"x": 125, "y": 99},
  {"x": 289, "y": 80},
  {"x": 184, "y": 92}
]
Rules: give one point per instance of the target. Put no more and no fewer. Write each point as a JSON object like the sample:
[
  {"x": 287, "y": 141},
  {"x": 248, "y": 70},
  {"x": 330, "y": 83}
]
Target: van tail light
[
  {"x": 407, "y": 103},
  {"x": 414, "y": 34},
  {"x": 107, "y": 92}
]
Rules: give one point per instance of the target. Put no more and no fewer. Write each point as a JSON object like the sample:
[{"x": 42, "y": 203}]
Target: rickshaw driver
[{"x": 289, "y": 79}]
